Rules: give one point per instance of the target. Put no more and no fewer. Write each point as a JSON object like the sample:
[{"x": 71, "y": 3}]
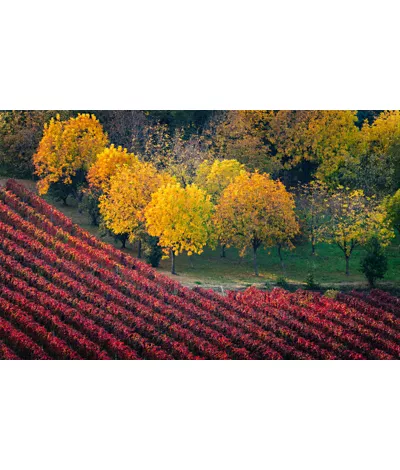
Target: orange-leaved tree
[
  {"x": 181, "y": 218},
  {"x": 67, "y": 150},
  {"x": 255, "y": 210},
  {"x": 107, "y": 164}
]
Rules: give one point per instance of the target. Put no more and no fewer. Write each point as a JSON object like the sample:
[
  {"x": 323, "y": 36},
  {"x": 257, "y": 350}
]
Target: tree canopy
[{"x": 255, "y": 210}]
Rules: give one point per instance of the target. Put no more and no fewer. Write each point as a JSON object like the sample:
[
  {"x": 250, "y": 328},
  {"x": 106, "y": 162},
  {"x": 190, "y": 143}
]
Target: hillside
[{"x": 67, "y": 295}]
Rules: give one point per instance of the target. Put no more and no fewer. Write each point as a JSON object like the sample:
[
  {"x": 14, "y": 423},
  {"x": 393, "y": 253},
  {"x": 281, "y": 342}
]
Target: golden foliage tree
[
  {"x": 382, "y": 133},
  {"x": 329, "y": 139},
  {"x": 127, "y": 195},
  {"x": 253, "y": 211},
  {"x": 107, "y": 164},
  {"x": 67, "y": 147},
  {"x": 380, "y": 168},
  {"x": 392, "y": 205},
  {"x": 215, "y": 176},
  {"x": 181, "y": 218},
  {"x": 354, "y": 220}
]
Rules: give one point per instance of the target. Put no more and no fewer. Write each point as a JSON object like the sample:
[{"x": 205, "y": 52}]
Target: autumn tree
[
  {"x": 104, "y": 167},
  {"x": 122, "y": 126},
  {"x": 127, "y": 195},
  {"x": 381, "y": 163},
  {"x": 253, "y": 211},
  {"x": 312, "y": 205},
  {"x": 20, "y": 134},
  {"x": 175, "y": 153},
  {"x": 66, "y": 151},
  {"x": 215, "y": 176},
  {"x": 107, "y": 164},
  {"x": 329, "y": 140},
  {"x": 242, "y": 135},
  {"x": 354, "y": 220},
  {"x": 392, "y": 205},
  {"x": 181, "y": 218}
]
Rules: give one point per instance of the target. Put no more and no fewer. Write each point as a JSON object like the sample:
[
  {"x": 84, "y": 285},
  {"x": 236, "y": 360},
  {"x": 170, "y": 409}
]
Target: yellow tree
[
  {"x": 215, "y": 176},
  {"x": 253, "y": 211},
  {"x": 99, "y": 175},
  {"x": 392, "y": 205},
  {"x": 67, "y": 150},
  {"x": 128, "y": 193},
  {"x": 181, "y": 218},
  {"x": 354, "y": 220},
  {"x": 382, "y": 133},
  {"x": 107, "y": 164},
  {"x": 381, "y": 165},
  {"x": 328, "y": 139}
]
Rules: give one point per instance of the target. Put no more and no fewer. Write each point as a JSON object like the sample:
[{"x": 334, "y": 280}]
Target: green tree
[{"x": 375, "y": 264}]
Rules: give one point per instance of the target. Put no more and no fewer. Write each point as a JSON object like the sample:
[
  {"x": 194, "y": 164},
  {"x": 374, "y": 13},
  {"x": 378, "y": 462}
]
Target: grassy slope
[{"x": 209, "y": 269}]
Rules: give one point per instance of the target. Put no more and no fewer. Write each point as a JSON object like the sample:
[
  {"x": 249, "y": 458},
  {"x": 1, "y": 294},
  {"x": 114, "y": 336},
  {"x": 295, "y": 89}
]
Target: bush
[
  {"x": 374, "y": 264},
  {"x": 282, "y": 282},
  {"x": 153, "y": 251},
  {"x": 90, "y": 204},
  {"x": 331, "y": 293},
  {"x": 310, "y": 282}
]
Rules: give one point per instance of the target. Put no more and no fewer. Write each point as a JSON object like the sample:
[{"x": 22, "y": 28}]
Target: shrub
[
  {"x": 153, "y": 251},
  {"x": 374, "y": 264},
  {"x": 331, "y": 293},
  {"x": 282, "y": 282},
  {"x": 310, "y": 282}
]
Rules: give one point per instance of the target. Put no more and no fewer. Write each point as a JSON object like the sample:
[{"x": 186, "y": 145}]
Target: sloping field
[{"x": 66, "y": 295}]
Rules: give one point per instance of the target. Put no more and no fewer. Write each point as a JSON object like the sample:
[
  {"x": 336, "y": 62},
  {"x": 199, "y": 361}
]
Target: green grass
[
  {"x": 209, "y": 269},
  {"x": 328, "y": 266}
]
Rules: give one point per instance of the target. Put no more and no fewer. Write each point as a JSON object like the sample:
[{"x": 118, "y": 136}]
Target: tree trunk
[
  {"x": 64, "y": 200},
  {"x": 255, "y": 260},
  {"x": 94, "y": 220},
  {"x": 281, "y": 258},
  {"x": 347, "y": 265},
  {"x": 123, "y": 241},
  {"x": 173, "y": 262},
  {"x": 223, "y": 253},
  {"x": 312, "y": 247},
  {"x": 139, "y": 250}
]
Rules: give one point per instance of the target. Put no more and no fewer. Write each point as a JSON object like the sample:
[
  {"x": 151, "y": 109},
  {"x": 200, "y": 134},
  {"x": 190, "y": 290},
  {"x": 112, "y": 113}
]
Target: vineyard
[{"x": 64, "y": 294}]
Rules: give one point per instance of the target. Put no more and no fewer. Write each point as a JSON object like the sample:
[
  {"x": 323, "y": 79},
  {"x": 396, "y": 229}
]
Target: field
[{"x": 66, "y": 295}]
